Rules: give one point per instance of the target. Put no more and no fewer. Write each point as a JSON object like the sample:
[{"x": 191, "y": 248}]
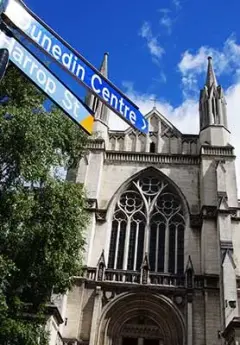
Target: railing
[
  {"x": 122, "y": 276},
  {"x": 134, "y": 277},
  {"x": 217, "y": 151},
  {"x": 151, "y": 278},
  {"x": 97, "y": 144},
  {"x": 167, "y": 280},
  {"x": 113, "y": 156}
]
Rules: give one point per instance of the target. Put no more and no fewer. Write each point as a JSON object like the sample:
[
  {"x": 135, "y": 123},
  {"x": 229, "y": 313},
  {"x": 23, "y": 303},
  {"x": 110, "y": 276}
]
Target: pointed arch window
[{"x": 148, "y": 218}]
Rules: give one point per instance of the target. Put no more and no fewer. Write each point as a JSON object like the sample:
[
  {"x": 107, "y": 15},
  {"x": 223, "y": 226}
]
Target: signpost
[
  {"x": 4, "y": 58},
  {"x": 76, "y": 65},
  {"x": 49, "y": 84}
]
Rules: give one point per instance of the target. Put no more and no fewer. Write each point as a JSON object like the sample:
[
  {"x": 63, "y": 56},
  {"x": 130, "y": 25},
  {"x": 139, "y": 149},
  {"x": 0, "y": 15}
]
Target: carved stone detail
[
  {"x": 209, "y": 212},
  {"x": 108, "y": 295},
  {"x": 195, "y": 220},
  {"x": 189, "y": 274},
  {"x": 222, "y": 201},
  {"x": 101, "y": 215},
  {"x": 92, "y": 204}
]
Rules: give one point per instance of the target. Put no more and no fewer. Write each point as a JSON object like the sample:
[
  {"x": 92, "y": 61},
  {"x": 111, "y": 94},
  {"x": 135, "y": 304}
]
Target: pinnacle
[
  {"x": 211, "y": 78},
  {"x": 104, "y": 65}
]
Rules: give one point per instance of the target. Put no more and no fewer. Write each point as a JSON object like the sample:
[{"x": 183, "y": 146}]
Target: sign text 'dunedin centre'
[
  {"x": 47, "y": 40},
  {"x": 47, "y": 82}
]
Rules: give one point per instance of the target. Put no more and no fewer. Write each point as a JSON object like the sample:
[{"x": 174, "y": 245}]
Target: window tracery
[{"x": 148, "y": 218}]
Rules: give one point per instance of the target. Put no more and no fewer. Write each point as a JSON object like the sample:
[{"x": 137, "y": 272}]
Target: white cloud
[
  {"x": 154, "y": 47},
  {"x": 177, "y": 4},
  {"x": 166, "y": 20},
  {"x": 185, "y": 116},
  {"x": 226, "y": 60}
]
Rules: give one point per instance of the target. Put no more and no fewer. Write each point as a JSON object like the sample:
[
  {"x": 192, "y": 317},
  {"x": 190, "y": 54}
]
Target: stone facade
[{"x": 162, "y": 255}]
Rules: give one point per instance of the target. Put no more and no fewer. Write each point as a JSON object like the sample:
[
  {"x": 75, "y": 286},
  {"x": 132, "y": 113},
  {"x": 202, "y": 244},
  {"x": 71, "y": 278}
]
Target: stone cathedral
[{"x": 162, "y": 259}]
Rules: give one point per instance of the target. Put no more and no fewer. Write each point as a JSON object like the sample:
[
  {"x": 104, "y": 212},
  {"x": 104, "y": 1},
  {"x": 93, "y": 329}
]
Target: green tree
[{"x": 42, "y": 217}]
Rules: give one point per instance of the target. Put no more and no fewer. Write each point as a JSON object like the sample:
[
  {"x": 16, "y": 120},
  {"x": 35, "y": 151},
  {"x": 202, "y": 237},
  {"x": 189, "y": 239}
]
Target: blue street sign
[
  {"x": 3, "y": 5},
  {"x": 4, "y": 58},
  {"x": 61, "y": 52},
  {"x": 49, "y": 84}
]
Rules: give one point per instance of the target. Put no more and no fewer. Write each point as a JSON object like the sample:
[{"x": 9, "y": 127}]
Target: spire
[
  {"x": 101, "y": 265},
  {"x": 100, "y": 110},
  {"x": 189, "y": 273},
  {"x": 212, "y": 104},
  {"x": 104, "y": 65},
  {"x": 101, "y": 260},
  {"x": 211, "y": 78},
  {"x": 189, "y": 266}
]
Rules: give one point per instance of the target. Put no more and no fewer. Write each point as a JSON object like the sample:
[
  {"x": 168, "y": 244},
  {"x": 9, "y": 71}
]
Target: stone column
[
  {"x": 189, "y": 319},
  {"x": 95, "y": 315}
]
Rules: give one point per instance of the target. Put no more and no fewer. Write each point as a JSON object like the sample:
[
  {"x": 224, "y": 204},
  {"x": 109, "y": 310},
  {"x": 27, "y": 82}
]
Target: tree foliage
[{"x": 42, "y": 217}]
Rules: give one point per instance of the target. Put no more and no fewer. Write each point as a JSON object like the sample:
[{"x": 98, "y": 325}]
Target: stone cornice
[
  {"x": 207, "y": 212},
  {"x": 49, "y": 310},
  {"x": 96, "y": 144},
  {"x": 161, "y": 281},
  {"x": 211, "y": 212},
  {"x": 150, "y": 158},
  {"x": 54, "y": 311}
]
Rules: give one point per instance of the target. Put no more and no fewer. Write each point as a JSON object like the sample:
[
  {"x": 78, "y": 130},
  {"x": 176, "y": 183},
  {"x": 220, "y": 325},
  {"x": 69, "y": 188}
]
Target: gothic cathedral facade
[{"x": 162, "y": 259}]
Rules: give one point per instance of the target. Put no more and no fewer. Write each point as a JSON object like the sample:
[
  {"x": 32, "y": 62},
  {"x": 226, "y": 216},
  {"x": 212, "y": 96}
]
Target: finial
[
  {"x": 211, "y": 78},
  {"x": 154, "y": 103}
]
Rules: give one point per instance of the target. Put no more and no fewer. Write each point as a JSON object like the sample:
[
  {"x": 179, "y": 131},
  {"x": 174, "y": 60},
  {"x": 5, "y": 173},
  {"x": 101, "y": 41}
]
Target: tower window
[{"x": 152, "y": 147}]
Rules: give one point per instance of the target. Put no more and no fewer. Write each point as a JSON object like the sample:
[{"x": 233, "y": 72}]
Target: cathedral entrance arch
[{"x": 141, "y": 319}]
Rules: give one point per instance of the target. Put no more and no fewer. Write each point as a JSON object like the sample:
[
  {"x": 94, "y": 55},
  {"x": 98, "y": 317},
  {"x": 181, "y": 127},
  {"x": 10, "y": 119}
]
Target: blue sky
[
  {"x": 171, "y": 28},
  {"x": 157, "y": 49}
]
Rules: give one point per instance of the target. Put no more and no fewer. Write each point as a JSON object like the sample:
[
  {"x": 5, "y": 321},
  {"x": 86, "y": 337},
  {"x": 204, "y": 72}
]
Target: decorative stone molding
[
  {"x": 150, "y": 158},
  {"x": 209, "y": 212},
  {"x": 189, "y": 274},
  {"x": 73, "y": 341},
  {"x": 131, "y": 279},
  {"x": 228, "y": 252},
  {"x": 235, "y": 213},
  {"x": 92, "y": 204},
  {"x": 227, "y": 151},
  {"x": 195, "y": 220},
  {"x": 141, "y": 330},
  {"x": 226, "y": 245},
  {"x": 222, "y": 202},
  {"x": 179, "y": 300},
  {"x": 96, "y": 144},
  {"x": 101, "y": 215},
  {"x": 220, "y": 163},
  {"x": 108, "y": 295}
]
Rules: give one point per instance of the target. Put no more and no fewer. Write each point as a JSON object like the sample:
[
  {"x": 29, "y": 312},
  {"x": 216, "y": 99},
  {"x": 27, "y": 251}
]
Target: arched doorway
[
  {"x": 141, "y": 330},
  {"x": 141, "y": 319}
]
